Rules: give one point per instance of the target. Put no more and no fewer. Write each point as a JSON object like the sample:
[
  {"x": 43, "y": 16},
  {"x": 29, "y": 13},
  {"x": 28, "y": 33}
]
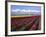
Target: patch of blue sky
[
  {"x": 25, "y": 7},
  {"x": 34, "y": 9}
]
